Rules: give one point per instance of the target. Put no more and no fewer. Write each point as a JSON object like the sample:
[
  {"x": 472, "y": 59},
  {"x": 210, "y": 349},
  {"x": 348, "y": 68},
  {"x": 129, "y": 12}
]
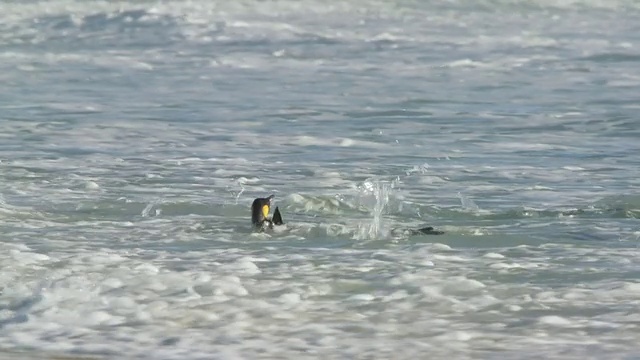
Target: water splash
[
  {"x": 241, "y": 181},
  {"x": 374, "y": 195},
  {"x": 146, "y": 212},
  {"x": 418, "y": 169},
  {"x": 467, "y": 203}
]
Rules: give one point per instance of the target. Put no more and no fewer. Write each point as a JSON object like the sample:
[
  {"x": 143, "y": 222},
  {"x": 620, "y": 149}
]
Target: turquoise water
[{"x": 134, "y": 136}]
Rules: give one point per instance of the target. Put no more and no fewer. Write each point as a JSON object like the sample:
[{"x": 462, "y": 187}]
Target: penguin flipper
[{"x": 277, "y": 218}]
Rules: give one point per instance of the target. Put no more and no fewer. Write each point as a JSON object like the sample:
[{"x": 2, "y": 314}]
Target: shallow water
[{"x": 135, "y": 135}]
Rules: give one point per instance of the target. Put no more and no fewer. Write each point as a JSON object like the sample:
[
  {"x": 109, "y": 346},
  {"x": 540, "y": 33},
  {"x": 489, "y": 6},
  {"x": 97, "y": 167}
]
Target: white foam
[
  {"x": 463, "y": 285},
  {"x": 467, "y": 63},
  {"x": 451, "y": 258},
  {"x": 230, "y": 285},
  {"x": 243, "y": 266},
  {"x": 307, "y": 140},
  {"x": 92, "y": 185},
  {"x": 362, "y": 297},
  {"x": 555, "y": 321},
  {"x": 441, "y": 247},
  {"x": 290, "y": 299},
  {"x": 25, "y": 257},
  {"x": 503, "y": 265}
]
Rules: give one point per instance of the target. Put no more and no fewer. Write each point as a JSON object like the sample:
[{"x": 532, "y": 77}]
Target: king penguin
[
  {"x": 260, "y": 214},
  {"x": 261, "y": 207}
]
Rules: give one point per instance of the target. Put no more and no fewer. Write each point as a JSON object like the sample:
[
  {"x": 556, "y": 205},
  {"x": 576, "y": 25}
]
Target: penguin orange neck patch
[{"x": 265, "y": 210}]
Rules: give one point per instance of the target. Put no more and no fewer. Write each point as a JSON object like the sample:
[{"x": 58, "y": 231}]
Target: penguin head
[{"x": 260, "y": 210}]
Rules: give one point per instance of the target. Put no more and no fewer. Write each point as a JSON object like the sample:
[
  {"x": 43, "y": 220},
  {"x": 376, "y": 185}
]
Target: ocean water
[{"x": 134, "y": 136}]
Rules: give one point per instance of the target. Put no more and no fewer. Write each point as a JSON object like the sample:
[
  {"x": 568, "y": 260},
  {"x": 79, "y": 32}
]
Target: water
[{"x": 134, "y": 136}]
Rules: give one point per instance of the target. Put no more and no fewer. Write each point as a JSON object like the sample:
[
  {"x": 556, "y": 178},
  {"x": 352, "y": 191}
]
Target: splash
[
  {"x": 418, "y": 169},
  {"x": 467, "y": 203},
  {"x": 146, "y": 212},
  {"x": 374, "y": 195},
  {"x": 241, "y": 181}
]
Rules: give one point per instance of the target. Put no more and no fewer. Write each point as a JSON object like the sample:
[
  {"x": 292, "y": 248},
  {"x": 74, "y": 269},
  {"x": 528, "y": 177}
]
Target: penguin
[
  {"x": 261, "y": 207},
  {"x": 260, "y": 214},
  {"x": 429, "y": 230}
]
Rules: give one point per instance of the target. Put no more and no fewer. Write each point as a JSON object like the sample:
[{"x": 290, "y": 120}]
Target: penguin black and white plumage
[{"x": 260, "y": 214}]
